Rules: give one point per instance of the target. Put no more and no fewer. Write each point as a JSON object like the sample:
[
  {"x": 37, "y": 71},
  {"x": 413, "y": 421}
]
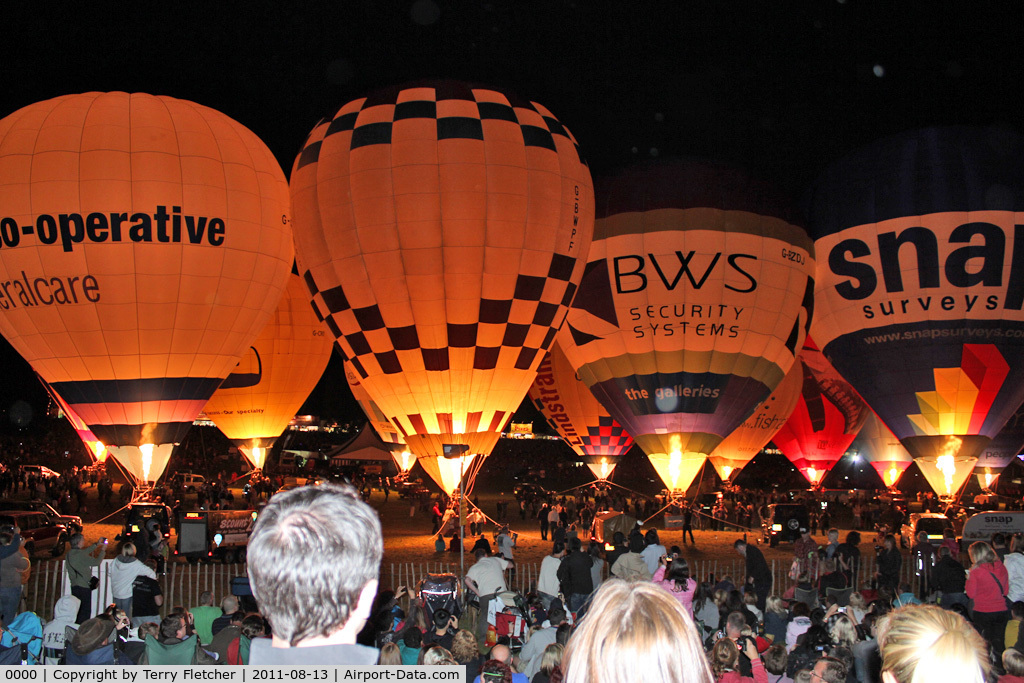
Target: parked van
[{"x": 983, "y": 525}]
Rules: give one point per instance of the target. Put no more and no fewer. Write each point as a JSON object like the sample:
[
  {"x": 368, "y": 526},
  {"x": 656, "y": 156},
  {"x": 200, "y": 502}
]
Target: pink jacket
[
  {"x": 685, "y": 596},
  {"x": 983, "y": 588},
  {"x": 756, "y": 668}
]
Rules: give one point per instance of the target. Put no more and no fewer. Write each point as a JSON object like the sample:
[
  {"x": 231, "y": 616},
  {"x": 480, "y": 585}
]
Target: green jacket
[{"x": 79, "y": 564}]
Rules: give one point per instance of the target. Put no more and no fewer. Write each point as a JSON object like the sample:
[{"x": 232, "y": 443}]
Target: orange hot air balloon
[
  {"x": 97, "y": 451},
  {"x": 826, "y": 420},
  {"x": 145, "y": 243},
  {"x": 571, "y": 409},
  {"x": 259, "y": 398},
  {"x": 387, "y": 432},
  {"x": 442, "y": 230},
  {"x": 740, "y": 447},
  {"x": 880, "y": 447}
]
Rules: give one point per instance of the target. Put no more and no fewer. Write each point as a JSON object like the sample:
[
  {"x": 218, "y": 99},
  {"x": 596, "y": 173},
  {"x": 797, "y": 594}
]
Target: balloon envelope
[
  {"x": 882, "y": 450},
  {"x": 695, "y": 300},
  {"x": 442, "y": 230},
  {"x": 388, "y": 433},
  {"x": 827, "y": 417},
  {"x": 275, "y": 376},
  {"x": 747, "y": 440},
  {"x": 573, "y": 411},
  {"x": 920, "y": 287},
  {"x": 1001, "y": 450},
  {"x": 97, "y": 451},
  {"x": 146, "y": 241}
]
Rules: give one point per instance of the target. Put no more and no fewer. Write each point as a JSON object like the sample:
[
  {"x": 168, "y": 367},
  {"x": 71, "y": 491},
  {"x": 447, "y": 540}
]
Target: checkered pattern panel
[{"x": 607, "y": 438}]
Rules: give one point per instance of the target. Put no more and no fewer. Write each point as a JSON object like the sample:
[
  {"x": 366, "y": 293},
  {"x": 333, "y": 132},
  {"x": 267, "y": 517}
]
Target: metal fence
[{"x": 183, "y": 583}]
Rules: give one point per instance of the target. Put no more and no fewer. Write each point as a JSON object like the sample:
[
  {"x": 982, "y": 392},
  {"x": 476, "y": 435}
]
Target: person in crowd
[
  {"x": 1013, "y": 626},
  {"x": 905, "y": 595},
  {"x": 123, "y": 572},
  {"x": 758, "y": 573},
  {"x": 597, "y": 565},
  {"x": 829, "y": 670},
  {"x": 204, "y": 615},
  {"x": 1014, "y": 563},
  {"x": 630, "y": 566},
  {"x": 776, "y": 617},
  {"x": 705, "y": 611},
  {"x": 390, "y": 655},
  {"x": 832, "y": 545},
  {"x": 550, "y": 665},
  {"x": 999, "y": 545},
  {"x": 775, "y": 660},
  {"x": 228, "y": 607},
  {"x": 848, "y": 557},
  {"x": 532, "y": 653},
  {"x": 12, "y": 564},
  {"x": 653, "y": 550},
  {"x": 542, "y": 517},
  {"x": 638, "y": 633},
  {"x": 147, "y": 598},
  {"x": 890, "y": 562},
  {"x": 725, "y": 656},
  {"x": 443, "y": 632},
  {"x": 313, "y": 558},
  {"x": 174, "y": 630},
  {"x": 810, "y": 647},
  {"x": 466, "y": 651},
  {"x": 79, "y": 563},
  {"x": 923, "y": 557},
  {"x": 841, "y": 628},
  {"x": 619, "y": 548},
  {"x": 924, "y": 643},
  {"x": 949, "y": 578},
  {"x": 485, "y": 579},
  {"x": 93, "y": 644},
  {"x": 858, "y": 607},
  {"x": 547, "y": 577},
  {"x": 225, "y": 636},
  {"x": 505, "y": 540},
  {"x": 805, "y": 551},
  {"x": 798, "y": 624},
  {"x": 494, "y": 671},
  {"x": 1013, "y": 665},
  {"x": 830, "y": 577},
  {"x": 674, "y": 576},
  {"x": 574, "y": 576},
  {"x": 986, "y": 586},
  {"x": 502, "y": 653},
  {"x": 65, "y": 613},
  {"x": 750, "y": 605}
]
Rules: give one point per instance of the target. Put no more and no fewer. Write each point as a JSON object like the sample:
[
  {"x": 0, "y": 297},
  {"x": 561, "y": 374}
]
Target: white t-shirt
[
  {"x": 488, "y": 573},
  {"x": 547, "y": 581}
]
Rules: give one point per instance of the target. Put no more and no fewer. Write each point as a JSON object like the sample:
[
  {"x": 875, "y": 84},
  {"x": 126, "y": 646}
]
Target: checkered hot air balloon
[
  {"x": 920, "y": 288},
  {"x": 442, "y": 230}
]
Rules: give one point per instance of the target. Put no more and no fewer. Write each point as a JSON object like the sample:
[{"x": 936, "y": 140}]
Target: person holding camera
[
  {"x": 79, "y": 563},
  {"x": 445, "y": 627}
]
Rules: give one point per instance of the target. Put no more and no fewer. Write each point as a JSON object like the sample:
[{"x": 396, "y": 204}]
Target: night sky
[{"x": 781, "y": 88}]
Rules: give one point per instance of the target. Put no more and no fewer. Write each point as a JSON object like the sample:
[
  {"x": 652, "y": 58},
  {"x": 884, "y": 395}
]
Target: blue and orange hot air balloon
[
  {"x": 442, "y": 230},
  {"x": 145, "y": 243},
  {"x": 573, "y": 411},
  {"x": 694, "y": 304},
  {"x": 920, "y": 288},
  {"x": 827, "y": 418}
]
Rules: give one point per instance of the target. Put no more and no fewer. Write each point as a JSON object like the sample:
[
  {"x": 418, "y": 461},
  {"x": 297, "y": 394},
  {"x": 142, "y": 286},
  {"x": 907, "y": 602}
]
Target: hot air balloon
[
  {"x": 1001, "y": 450},
  {"x": 920, "y": 287},
  {"x": 145, "y": 243},
  {"x": 387, "y": 432},
  {"x": 576, "y": 415},
  {"x": 97, "y": 451},
  {"x": 695, "y": 301},
  {"x": 442, "y": 230},
  {"x": 882, "y": 450},
  {"x": 747, "y": 440},
  {"x": 272, "y": 381},
  {"x": 826, "y": 420}
]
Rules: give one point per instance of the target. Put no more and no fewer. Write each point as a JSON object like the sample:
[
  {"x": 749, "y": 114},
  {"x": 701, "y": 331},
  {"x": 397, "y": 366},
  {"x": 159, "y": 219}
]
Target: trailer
[{"x": 214, "y": 534}]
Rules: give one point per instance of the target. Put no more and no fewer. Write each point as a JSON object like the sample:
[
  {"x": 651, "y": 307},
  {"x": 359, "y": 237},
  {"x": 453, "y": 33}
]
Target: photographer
[
  {"x": 445, "y": 627},
  {"x": 80, "y": 562}
]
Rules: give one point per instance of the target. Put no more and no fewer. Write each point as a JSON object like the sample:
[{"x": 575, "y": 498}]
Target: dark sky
[{"x": 779, "y": 87}]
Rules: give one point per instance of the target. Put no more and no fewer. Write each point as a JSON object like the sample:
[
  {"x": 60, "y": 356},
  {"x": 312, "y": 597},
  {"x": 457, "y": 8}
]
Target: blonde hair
[
  {"x": 981, "y": 553},
  {"x": 390, "y": 655},
  {"x": 436, "y": 655},
  {"x": 775, "y": 605},
  {"x": 635, "y": 632},
  {"x": 843, "y": 630},
  {"x": 857, "y": 601},
  {"x": 723, "y": 656},
  {"x": 128, "y": 550},
  {"x": 552, "y": 657},
  {"x": 923, "y": 643}
]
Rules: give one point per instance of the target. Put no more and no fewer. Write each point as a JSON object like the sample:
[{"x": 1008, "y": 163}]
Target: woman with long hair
[
  {"x": 725, "y": 657},
  {"x": 674, "y": 576},
  {"x": 925, "y": 643},
  {"x": 705, "y": 611},
  {"x": 987, "y": 586},
  {"x": 466, "y": 651},
  {"x": 635, "y": 633},
  {"x": 550, "y": 663}
]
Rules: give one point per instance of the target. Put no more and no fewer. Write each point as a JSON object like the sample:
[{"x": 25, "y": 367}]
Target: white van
[{"x": 983, "y": 525}]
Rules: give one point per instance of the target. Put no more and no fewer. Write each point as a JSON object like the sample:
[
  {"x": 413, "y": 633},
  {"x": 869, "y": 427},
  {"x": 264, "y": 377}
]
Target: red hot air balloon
[
  {"x": 571, "y": 409},
  {"x": 145, "y": 243},
  {"x": 442, "y": 230},
  {"x": 695, "y": 301},
  {"x": 826, "y": 420},
  {"x": 920, "y": 288}
]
